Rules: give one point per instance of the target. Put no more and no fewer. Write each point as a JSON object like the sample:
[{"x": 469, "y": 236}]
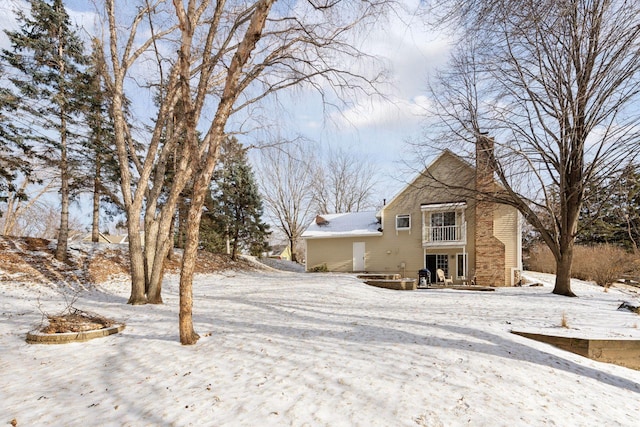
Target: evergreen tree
[
  {"x": 48, "y": 57},
  {"x": 212, "y": 235},
  {"x": 100, "y": 172},
  {"x": 15, "y": 150},
  {"x": 611, "y": 210},
  {"x": 234, "y": 211},
  {"x": 627, "y": 207},
  {"x": 598, "y": 222}
]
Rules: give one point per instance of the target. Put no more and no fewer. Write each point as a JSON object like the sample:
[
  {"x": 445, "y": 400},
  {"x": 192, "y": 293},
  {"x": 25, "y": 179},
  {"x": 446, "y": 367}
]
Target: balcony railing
[{"x": 446, "y": 234}]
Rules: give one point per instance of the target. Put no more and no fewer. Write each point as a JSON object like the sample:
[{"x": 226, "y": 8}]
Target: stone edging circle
[{"x": 37, "y": 337}]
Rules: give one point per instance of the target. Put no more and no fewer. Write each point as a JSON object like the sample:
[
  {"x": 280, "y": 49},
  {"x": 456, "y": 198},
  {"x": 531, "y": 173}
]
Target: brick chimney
[
  {"x": 321, "y": 221},
  {"x": 490, "y": 252}
]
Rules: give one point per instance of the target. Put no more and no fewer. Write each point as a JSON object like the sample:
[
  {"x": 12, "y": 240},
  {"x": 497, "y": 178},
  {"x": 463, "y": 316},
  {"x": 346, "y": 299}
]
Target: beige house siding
[
  {"x": 506, "y": 219},
  {"x": 337, "y": 253},
  {"x": 402, "y": 251},
  {"x": 428, "y": 188},
  {"x": 406, "y": 245},
  {"x": 381, "y": 255}
]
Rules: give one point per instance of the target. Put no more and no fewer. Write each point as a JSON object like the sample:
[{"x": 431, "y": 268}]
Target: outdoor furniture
[
  {"x": 443, "y": 278},
  {"x": 424, "y": 278}
]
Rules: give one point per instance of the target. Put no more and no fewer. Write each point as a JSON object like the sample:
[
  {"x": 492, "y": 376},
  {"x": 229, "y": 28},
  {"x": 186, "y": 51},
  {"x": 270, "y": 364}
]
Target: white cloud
[
  {"x": 412, "y": 52},
  {"x": 8, "y": 19},
  {"x": 81, "y": 13},
  {"x": 392, "y": 112}
]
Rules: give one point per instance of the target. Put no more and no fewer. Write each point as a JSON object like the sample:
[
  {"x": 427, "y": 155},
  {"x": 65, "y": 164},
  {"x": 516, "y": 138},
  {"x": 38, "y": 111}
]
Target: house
[
  {"x": 109, "y": 238},
  {"x": 438, "y": 221},
  {"x": 280, "y": 252}
]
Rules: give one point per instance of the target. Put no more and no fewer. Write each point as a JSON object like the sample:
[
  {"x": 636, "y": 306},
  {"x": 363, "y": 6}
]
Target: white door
[{"x": 358, "y": 256}]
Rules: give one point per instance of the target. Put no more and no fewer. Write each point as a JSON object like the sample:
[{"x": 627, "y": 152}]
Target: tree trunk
[
  {"x": 132, "y": 202},
  {"x": 95, "y": 223},
  {"x": 163, "y": 246},
  {"x": 187, "y": 335},
  {"x": 227, "y": 240},
  {"x": 234, "y": 246},
  {"x": 150, "y": 244},
  {"x": 137, "y": 260},
  {"x": 63, "y": 231},
  {"x": 171, "y": 254},
  {"x": 158, "y": 226},
  {"x": 563, "y": 269},
  {"x": 183, "y": 212},
  {"x": 202, "y": 174},
  {"x": 292, "y": 244}
]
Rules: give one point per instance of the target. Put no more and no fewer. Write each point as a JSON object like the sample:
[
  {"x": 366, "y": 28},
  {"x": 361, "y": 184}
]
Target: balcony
[{"x": 445, "y": 235}]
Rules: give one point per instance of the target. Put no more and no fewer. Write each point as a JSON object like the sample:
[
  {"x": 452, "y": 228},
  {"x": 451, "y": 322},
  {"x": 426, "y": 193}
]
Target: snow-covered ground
[
  {"x": 280, "y": 349},
  {"x": 281, "y": 264}
]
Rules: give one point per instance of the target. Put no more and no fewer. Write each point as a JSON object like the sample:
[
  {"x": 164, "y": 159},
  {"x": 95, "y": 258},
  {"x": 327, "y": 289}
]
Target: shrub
[
  {"x": 603, "y": 264},
  {"x": 541, "y": 259},
  {"x": 322, "y": 268}
]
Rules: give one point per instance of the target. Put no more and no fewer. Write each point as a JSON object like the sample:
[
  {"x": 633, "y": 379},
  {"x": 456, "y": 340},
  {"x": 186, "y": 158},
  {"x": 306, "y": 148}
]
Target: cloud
[
  {"x": 81, "y": 13},
  {"x": 390, "y": 112},
  {"x": 412, "y": 52},
  {"x": 8, "y": 19}
]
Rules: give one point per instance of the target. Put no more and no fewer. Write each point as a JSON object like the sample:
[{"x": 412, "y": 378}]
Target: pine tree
[
  {"x": 610, "y": 211},
  {"x": 598, "y": 222},
  {"x": 211, "y": 238},
  {"x": 235, "y": 209},
  {"x": 15, "y": 150},
  {"x": 627, "y": 207},
  {"x": 48, "y": 57},
  {"x": 101, "y": 171}
]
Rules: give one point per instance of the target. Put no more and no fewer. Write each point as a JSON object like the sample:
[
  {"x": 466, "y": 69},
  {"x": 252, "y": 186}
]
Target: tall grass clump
[
  {"x": 603, "y": 264},
  {"x": 541, "y": 259}
]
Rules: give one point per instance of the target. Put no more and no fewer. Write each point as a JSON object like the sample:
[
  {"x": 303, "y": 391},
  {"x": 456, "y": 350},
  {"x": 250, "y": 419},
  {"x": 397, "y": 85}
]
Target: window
[
  {"x": 461, "y": 264},
  {"x": 443, "y": 226},
  {"x": 442, "y": 262},
  {"x": 443, "y": 219},
  {"x": 403, "y": 222}
]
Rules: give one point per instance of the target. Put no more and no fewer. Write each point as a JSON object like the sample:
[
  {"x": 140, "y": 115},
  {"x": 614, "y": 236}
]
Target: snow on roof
[{"x": 343, "y": 225}]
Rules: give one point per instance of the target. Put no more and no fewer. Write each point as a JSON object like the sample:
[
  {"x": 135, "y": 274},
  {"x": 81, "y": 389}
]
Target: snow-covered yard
[{"x": 280, "y": 348}]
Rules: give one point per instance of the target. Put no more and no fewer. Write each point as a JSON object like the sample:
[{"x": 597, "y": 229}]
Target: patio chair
[{"x": 443, "y": 278}]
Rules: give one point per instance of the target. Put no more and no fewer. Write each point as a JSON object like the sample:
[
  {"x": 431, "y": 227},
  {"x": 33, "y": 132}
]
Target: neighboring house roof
[
  {"x": 281, "y": 251},
  {"x": 343, "y": 225},
  {"x": 278, "y": 249},
  {"x": 115, "y": 238},
  {"x": 108, "y": 238}
]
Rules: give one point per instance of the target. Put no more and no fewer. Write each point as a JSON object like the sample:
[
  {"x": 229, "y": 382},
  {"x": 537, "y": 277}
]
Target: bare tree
[
  {"x": 553, "y": 85},
  {"x": 344, "y": 182},
  {"x": 38, "y": 217},
  {"x": 287, "y": 181},
  {"x": 18, "y": 208},
  {"x": 230, "y": 56}
]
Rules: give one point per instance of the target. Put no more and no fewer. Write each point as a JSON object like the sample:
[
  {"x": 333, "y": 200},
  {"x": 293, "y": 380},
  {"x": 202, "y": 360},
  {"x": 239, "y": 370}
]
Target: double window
[{"x": 403, "y": 222}]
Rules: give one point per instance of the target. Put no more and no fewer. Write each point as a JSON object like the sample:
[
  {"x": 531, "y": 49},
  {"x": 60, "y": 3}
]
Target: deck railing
[{"x": 433, "y": 235}]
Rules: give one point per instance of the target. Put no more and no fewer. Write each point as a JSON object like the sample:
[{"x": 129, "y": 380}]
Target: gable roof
[
  {"x": 108, "y": 238},
  {"x": 439, "y": 158},
  {"x": 354, "y": 224}
]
